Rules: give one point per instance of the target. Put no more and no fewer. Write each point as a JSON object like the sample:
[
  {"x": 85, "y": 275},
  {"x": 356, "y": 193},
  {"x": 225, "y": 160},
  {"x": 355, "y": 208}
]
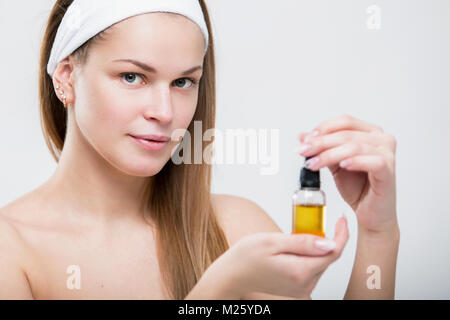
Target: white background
[{"x": 290, "y": 65}]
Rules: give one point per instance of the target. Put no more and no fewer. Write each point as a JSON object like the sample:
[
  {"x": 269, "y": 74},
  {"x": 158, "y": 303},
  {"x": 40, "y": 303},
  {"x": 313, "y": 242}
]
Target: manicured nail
[
  {"x": 325, "y": 244},
  {"x": 308, "y": 138},
  {"x": 311, "y": 135},
  {"x": 311, "y": 162},
  {"x": 345, "y": 163},
  {"x": 303, "y": 148}
]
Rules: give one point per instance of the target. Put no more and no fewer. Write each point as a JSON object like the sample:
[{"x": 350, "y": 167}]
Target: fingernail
[
  {"x": 311, "y": 135},
  {"x": 345, "y": 163},
  {"x": 303, "y": 148},
  {"x": 311, "y": 162},
  {"x": 325, "y": 244}
]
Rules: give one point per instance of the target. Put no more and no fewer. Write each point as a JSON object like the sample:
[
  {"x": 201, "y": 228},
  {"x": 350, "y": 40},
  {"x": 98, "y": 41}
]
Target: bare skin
[
  {"x": 90, "y": 213},
  {"x": 117, "y": 261}
]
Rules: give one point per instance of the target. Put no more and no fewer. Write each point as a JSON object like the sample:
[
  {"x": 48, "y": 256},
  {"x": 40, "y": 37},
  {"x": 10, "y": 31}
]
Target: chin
[{"x": 144, "y": 169}]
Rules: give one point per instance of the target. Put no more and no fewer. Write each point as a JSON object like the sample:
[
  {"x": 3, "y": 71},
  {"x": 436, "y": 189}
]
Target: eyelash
[{"x": 194, "y": 82}]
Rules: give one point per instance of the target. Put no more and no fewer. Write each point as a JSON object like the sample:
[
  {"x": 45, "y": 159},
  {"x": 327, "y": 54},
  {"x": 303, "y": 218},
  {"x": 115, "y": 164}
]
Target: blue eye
[
  {"x": 127, "y": 76},
  {"x": 130, "y": 78},
  {"x": 194, "y": 82}
]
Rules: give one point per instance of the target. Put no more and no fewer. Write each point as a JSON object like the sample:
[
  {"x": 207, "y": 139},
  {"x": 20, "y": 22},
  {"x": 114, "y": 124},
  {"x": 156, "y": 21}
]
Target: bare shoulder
[
  {"x": 10, "y": 238},
  {"x": 13, "y": 278},
  {"x": 239, "y": 216}
]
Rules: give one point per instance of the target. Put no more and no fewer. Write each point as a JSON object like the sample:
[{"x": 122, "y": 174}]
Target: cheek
[
  {"x": 183, "y": 115},
  {"x": 102, "y": 117},
  {"x": 104, "y": 113},
  {"x": 184, "y": 112}
]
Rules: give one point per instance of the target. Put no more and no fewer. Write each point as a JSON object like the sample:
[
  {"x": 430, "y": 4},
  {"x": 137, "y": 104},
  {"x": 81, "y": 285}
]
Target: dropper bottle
[{"x": 309, "y": 204}]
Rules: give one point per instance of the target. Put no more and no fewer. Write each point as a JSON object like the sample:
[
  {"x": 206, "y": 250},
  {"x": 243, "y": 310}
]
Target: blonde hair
[{"x": 189, "y": 237}]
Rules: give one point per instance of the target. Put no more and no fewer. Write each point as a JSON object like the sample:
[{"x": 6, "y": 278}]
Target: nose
[{"x": 160, "y": 106}]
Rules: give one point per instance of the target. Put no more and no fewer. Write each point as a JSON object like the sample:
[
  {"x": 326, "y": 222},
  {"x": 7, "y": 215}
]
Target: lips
[
  {"x": 150, "y": 144},
  {"x": 152, "y": 137}
]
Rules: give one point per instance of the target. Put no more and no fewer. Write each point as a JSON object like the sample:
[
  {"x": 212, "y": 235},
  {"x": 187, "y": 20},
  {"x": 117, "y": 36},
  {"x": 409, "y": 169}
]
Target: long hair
[{"x": 189, "y": 237}]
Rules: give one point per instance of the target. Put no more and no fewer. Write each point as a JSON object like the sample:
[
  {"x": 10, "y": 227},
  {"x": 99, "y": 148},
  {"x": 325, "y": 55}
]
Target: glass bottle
[{"x": 309, "y": 204}]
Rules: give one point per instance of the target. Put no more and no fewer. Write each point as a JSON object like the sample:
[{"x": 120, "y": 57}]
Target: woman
[{"x": 119, "y": 220}]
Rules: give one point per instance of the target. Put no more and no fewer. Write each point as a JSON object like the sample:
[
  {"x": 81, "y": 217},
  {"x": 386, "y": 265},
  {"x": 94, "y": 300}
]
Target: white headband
[{"x": 86, "y": 18}]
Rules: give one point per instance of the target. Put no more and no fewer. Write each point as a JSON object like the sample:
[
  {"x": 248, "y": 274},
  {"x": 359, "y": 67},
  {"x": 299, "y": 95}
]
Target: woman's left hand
[{"x": 361, "y": 158}]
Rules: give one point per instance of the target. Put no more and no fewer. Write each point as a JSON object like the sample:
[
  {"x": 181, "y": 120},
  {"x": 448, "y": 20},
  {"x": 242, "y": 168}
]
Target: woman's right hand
[{"x": 277, "y": 263}]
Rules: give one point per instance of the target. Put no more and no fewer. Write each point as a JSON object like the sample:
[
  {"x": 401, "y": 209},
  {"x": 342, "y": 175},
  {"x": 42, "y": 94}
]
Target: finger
[
  {"x": 327, "y": 141},
  {"x": 381, "y": 169},
  {"x": 385, "y": 142},
  {"x": 302, "y": 136},
  {"x": 342, "y": 234},
  {"x": 302, "y": 244},
  {"x": 341, "y": 152},
  {"x": 340, "y": 238},
  {"x": 346, "y": 122}
]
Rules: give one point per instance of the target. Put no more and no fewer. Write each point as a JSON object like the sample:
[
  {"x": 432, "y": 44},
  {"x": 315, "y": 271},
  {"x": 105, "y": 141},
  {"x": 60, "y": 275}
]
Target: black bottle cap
[{"x": 308, "y": 178}]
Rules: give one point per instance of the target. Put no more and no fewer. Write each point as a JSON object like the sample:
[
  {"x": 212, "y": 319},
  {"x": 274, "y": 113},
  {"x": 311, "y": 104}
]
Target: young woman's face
[{"x": 115, "y": 100}]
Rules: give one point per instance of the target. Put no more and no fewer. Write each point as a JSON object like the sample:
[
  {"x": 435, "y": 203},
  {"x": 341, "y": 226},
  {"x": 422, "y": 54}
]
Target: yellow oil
[{"x": 309, "y": 219}]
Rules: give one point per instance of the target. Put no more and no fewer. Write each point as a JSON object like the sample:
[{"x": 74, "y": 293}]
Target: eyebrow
[{"x": 153, "y": 70}]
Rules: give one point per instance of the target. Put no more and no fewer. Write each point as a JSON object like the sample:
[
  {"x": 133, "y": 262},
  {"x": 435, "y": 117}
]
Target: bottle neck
[{"x": 309, "y": 188}]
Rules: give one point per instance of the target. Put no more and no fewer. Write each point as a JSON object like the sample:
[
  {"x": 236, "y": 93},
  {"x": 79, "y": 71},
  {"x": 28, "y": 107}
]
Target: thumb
[{"x": 342, "y": 234}]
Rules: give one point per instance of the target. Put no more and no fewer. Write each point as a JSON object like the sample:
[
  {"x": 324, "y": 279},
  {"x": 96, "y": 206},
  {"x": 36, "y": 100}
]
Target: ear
[{"x": 64, "y": 76}]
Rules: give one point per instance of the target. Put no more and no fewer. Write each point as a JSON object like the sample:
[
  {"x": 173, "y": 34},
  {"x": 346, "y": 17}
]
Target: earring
[{"x": 63, "y": 96}]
